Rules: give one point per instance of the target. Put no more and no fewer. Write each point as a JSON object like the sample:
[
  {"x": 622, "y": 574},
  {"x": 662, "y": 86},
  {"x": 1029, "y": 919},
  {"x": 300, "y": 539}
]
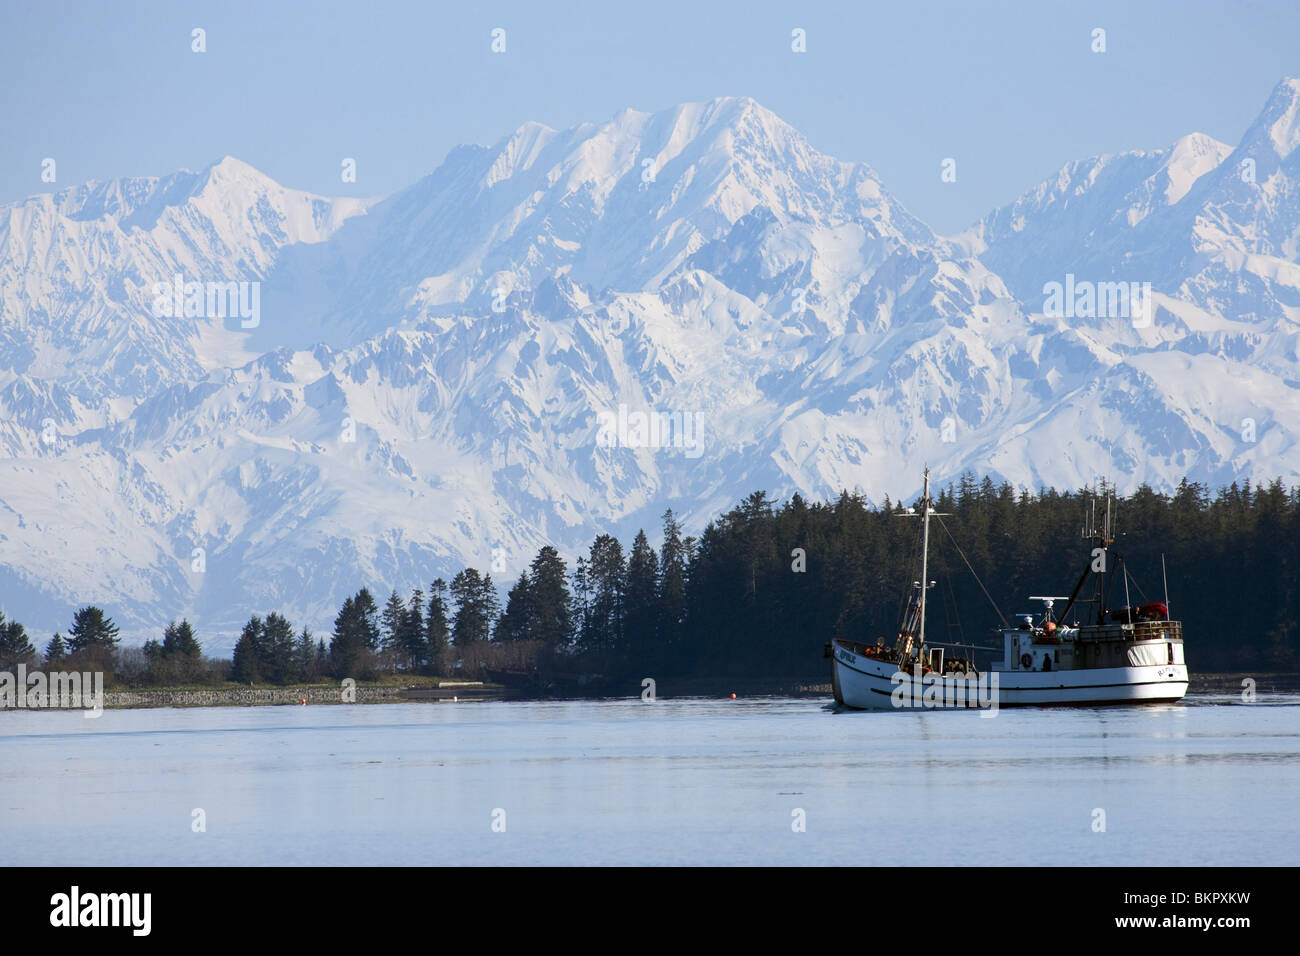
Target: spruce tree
[
  {"x": 92, "y": 640},
  {"x": 437, "y": 631},
  {"x": 356, "y": 636},
  {"x": 244, "y": 664},
  {"x": 640, "y": 600},
  {"x": 550, "y": 604},
  {"x": 476, "y": 607},
  {"x": 391, "y": 623},
  {"x": 671, "y": 612},
  {"x": 490, "y": 604},
  {"x": 411, "y": 639},
  {"x": 91, "y": 629},
  {"x": 15, "y": 648},
  {"x": 56, "y": 653},
  {"x": 305, "y": 658},
  {"x": 581, "y": 603},
  {"x": 279, "y": 650},
  {"x": 605, "y": 569},
  {"x": 344, "y": 650},
  {"x": 179, "y": 641},
  {"x": 516, "y": 621},
  {"x": 367, "y": 619}
]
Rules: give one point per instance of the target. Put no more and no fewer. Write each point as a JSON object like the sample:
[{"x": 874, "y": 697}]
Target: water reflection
[{"x": 679, "y": 781}]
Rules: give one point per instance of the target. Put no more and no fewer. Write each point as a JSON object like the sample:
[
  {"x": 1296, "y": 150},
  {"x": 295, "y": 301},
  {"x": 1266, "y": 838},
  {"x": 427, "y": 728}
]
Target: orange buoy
[
  {"x": 304, "y": 701},
  {"x": 733, "y": 696}
]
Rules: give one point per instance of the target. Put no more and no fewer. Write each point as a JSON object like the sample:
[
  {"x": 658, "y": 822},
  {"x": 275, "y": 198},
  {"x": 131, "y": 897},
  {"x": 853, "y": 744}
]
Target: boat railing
[
  {"x": 1137, "y": 631},
  {"x": 860, "y": 648}
]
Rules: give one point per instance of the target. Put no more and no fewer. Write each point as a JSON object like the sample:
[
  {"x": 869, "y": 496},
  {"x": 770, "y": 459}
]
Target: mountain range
[{"x": 420, "y": 382}]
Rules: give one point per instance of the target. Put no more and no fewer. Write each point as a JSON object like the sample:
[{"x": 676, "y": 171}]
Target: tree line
[{"x": 765, "y": 585}]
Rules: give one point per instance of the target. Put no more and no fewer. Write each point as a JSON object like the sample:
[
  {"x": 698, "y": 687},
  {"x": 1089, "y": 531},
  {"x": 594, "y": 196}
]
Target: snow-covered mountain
[
  {"x": 1206, "y": 383},
  {"x": 457, "y": 374}
]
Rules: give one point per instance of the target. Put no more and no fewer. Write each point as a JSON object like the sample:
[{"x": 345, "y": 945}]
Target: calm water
[{"x": 1209, "y": 781}]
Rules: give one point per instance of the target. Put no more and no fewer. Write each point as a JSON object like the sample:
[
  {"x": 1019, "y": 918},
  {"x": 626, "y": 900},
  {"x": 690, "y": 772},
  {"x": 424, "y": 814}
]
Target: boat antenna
[
  {"x": 1128, "y": 603},
  {"x": 1165, "y": 578}
]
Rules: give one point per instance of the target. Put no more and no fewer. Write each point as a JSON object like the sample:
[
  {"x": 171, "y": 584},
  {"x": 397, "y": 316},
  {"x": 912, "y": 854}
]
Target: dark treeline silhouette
[
  {"x": 765, "y": 585},
  {"x": 92, "y": 644}
]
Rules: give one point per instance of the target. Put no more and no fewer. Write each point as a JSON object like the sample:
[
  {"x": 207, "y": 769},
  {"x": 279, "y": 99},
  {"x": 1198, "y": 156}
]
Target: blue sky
[{"x": 1012, "y": 91}]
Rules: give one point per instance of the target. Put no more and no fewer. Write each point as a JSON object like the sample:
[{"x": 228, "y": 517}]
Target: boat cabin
[{"x": 1076, "y": 648}]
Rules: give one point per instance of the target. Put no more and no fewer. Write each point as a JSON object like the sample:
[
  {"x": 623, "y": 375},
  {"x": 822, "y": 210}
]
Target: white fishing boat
[{"x": 1130, "y": 655}]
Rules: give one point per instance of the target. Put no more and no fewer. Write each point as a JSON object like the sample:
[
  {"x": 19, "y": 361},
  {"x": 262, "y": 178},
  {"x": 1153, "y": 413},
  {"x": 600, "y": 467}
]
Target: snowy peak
[
  {"x": 225, "y": 192},
  {"x": 229, "y": 171},
  {"x": 518, "y": 152},
  {"x": 231, "y": 191},
  {"x": 621, "y": 207},
  {"x": 119, "y": 198},
  {"x": 733, "y": 125},
  {"x": 1122, "y": 188},
  {"x": 730, "y": 153},
  {"x": 1217, "y": 227},
  {"x": 80, "y": 272},
  {"x": 1189, "y": 159},
  {"x": 1278, "y": 125}
]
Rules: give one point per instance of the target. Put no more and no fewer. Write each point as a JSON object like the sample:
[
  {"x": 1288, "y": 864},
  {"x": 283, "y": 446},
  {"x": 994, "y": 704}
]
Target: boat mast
[
  {"x": 925, "y": 557},
  {"x": 909, "y": 643},
  {"x": 1107, "y": 539},
  {"x": 1103, "y": 537}
]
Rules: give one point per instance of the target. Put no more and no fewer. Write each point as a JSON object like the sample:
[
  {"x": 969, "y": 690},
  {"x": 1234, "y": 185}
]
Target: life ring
[{"x": 1026, "y": 661}]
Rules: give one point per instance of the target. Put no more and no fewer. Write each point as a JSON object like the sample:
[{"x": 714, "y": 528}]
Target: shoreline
[
  {"x": 316, "y": 694},
  {"x": 472, "y": 691}
]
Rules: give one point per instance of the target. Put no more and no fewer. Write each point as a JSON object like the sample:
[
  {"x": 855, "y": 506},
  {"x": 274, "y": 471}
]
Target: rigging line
[
  {"x": 1133, "y": 578},
  {"x": 1001, "y": 616},
  {"x": 913, "y": 565},
  {"x": 951, "y": 611}
]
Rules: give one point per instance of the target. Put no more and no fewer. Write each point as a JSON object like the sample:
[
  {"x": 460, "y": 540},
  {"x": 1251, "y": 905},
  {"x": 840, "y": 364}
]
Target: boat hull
[{"x": 865, "y": 683}]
